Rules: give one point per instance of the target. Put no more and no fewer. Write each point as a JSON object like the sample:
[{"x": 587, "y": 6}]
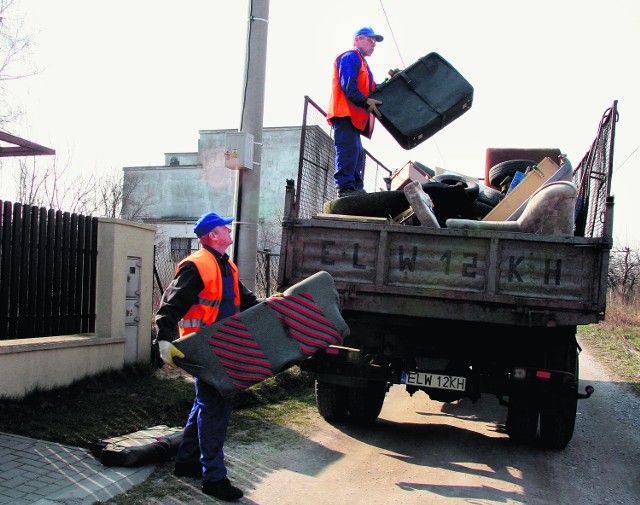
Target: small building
[{"x": 172, "y": 196}]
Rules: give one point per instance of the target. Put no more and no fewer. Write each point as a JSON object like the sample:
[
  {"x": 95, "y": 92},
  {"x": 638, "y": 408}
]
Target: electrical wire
[
  {"x": 392, "y": 34},
  {"x": 404, "y": 66},
  {"x": 246, "y": 67},
  {"x": 626, "y": 159}
]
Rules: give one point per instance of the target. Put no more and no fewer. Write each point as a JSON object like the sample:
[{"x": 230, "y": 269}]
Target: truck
[{"x": 453, "y": 313}]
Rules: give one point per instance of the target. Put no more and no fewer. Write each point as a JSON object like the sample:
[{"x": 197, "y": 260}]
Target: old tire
[
  {"x": 365, "y": 404},
  {"x": 471, "y": 187},
  {"x": 331, "y": 400},
  {"x": 381, "y": 204},
  {"x": 501, "y": 171}
]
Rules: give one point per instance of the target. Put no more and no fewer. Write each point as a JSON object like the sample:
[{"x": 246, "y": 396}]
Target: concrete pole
[{"x": 248, "y": 194}]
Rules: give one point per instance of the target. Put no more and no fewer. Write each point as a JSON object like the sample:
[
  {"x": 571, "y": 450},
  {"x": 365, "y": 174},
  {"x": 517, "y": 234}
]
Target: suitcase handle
[{"x": 412, "y": 87}]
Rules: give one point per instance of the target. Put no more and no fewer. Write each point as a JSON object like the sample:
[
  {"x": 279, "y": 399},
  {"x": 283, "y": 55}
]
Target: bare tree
[
  {"x": 123, "y": 198},
  {"x": 15, "y": 45},
  {"x": 624, "y": 273},
  {"x": 49, "y": 183},
  {"x": 30, "y": 182}
]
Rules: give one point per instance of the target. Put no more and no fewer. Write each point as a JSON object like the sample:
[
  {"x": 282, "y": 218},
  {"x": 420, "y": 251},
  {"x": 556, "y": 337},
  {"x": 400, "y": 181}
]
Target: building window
[{"x": 183, "y": 247}]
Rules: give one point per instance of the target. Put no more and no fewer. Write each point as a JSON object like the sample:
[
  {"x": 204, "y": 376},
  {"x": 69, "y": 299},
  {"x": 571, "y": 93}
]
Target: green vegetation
[{"x": 616, "y": 342}]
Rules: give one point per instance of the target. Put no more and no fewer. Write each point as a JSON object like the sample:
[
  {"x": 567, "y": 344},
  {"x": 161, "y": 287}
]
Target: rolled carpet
[{"x": 247, "y": 348}]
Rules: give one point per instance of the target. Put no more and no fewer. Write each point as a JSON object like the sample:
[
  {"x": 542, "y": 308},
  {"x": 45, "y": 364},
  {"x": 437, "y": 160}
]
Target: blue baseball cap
[
  {"x": 208, "y": 222},
  {"x": 367, "y": 31}
]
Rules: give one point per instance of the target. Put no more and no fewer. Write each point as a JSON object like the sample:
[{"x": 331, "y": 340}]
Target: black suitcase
[{"x": 422, "y": 99}]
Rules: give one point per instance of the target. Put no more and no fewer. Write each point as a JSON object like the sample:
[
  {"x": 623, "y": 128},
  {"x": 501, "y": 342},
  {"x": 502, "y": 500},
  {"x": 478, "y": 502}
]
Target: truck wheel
[
  {"x": 365, "y": 404},
  {"x": 522, "y": 422},
  {"x": 331, "y": 400},
  {"x": 557, "y": 421},
  {"x": 557, "y": 424}
]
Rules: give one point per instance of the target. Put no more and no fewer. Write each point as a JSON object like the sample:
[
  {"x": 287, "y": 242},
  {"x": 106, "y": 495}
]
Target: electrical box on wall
[{"x": 238, "y": 151}]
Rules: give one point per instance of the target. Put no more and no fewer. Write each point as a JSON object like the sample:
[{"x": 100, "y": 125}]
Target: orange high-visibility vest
[
  {"x": 339, "y": 106},
  {"x": 206, "y": 310}
]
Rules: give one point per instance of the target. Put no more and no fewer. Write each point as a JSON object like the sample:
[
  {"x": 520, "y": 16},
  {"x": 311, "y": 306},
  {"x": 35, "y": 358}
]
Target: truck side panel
[{"x": 529, "y": 272}]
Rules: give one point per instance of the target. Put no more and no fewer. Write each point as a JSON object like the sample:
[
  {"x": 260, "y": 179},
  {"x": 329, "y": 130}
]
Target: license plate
[{"x": 432, "y": 380}]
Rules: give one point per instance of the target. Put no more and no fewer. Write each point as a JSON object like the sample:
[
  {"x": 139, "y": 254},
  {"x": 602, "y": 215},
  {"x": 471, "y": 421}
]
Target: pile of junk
[{"x": 526, "y": 190}]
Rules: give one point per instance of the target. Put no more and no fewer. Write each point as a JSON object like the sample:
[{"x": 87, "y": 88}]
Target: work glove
[
  {"x": 277, "y": 294},
  {"x": 371, "y": 106},
  {"x": 168, "y": 351}
]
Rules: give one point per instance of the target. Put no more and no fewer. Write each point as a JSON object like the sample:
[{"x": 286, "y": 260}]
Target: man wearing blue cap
[
  {"x": 351, "y": 111},
  {"x": 206, "y": 289}
]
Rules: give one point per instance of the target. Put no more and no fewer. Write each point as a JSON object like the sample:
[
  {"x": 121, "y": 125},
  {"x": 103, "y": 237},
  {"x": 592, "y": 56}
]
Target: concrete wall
[
  {"x": 119, "y": 241},
  {"x": 50, "y": 362}
]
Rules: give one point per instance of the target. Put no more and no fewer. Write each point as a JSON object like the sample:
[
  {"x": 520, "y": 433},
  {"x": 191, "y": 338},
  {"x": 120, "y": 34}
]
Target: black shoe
[
  {"x": 188, "y": 470},
  {"x": 221, "y": 489},
  {"x": 350, "y": 192}
]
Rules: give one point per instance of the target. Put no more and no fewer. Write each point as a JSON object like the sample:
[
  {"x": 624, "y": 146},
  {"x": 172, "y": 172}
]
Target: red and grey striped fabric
[
  {"x": 305, "y": 321},
  {"x": 264, "y": 340},
  {"x": 239, "y": 354}
]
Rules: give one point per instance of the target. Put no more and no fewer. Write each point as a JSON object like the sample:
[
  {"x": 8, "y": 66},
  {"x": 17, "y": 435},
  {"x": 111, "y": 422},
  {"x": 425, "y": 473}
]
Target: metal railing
[
  {"x": 592, "y": 177},
  {"x": 317, "y": 164}
]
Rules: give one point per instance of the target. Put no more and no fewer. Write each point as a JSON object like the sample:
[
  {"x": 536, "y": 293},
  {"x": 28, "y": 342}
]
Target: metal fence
[
  {"x": 592, "y": 177},
  {"x": 316, "y": 184},
  {"x": 47, "y": 272}
]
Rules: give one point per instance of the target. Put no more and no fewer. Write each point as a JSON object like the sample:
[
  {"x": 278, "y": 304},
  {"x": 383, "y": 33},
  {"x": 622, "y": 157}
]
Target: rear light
[{"x": 541, "y": 374}]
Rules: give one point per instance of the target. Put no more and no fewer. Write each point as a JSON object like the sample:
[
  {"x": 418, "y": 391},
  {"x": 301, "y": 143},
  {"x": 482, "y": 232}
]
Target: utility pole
[{"x": 248, "y": 182}]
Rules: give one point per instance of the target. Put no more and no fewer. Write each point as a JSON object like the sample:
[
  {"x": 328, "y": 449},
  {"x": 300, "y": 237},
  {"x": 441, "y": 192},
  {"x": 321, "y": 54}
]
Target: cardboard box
[
  {"x": 534, "y": 179},
  {"x": 412, "y": 171}
]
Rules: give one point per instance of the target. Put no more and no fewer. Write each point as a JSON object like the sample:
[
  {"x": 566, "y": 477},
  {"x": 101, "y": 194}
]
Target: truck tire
[
  {"x": 365, "y": 404},
  {"x": 557, "y": 424},
  {"x": 471, "y": 187},
  {"x": 557, "y": 420},
  {"x": 522, "y": 421},
  {"x": 501, "y": 171},
  {"x": 331, "y": 400}
]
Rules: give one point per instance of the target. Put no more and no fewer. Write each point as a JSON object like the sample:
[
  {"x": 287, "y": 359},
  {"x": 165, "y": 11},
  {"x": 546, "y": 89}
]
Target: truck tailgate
[{"x": 520, "y": 278}]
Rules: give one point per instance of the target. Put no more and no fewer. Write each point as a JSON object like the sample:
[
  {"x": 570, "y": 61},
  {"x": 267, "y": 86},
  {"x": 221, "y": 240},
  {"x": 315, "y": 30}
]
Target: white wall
[{"x": 50, "y": 362}]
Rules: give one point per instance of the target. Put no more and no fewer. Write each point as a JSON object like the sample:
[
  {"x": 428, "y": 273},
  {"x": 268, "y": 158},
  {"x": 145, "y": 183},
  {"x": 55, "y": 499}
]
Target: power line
[
  {"x": 392, "y": 34},
  {"x": 404, "y": 66},
  {"x": 627, "y": 159}
]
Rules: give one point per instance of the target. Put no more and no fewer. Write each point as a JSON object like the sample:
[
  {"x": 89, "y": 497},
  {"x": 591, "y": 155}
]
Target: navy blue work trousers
[
  {"x": 205, "y": 432},
  {"x": 349, "y": 154}
]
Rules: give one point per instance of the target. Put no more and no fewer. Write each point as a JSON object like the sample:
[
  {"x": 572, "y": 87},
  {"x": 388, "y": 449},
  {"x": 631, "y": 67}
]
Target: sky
[{"x": 121, "y": 82}]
